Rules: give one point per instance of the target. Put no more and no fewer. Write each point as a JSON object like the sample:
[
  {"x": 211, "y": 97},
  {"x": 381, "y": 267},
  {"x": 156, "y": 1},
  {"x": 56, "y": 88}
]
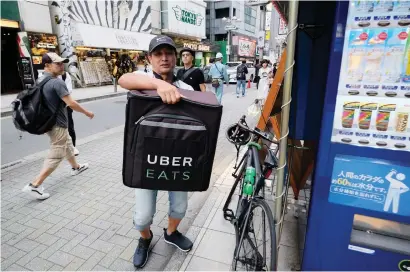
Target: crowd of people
[{"x": 162, "y": 56}]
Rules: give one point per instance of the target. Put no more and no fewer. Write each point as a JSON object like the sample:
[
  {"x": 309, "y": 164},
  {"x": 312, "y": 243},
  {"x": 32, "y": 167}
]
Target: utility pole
[
  {"x": 229, "y": 27},
  {"x": 262, "y": 28}
]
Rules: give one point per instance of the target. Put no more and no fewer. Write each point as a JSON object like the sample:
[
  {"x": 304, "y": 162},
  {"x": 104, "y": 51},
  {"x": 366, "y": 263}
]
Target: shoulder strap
[
  {"x": 220, "y": 73},
  {"x": 187, "y": 73}
]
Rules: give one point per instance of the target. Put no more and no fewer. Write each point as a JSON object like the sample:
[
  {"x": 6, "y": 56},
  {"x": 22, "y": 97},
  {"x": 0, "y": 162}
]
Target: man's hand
[
  {"x": 89, "y": 114},
  {"x": 168, "y": 93}
]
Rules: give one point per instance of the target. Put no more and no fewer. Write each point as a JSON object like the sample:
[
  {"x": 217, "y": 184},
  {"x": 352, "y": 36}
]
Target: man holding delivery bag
[{"x": 162, "y": 56}]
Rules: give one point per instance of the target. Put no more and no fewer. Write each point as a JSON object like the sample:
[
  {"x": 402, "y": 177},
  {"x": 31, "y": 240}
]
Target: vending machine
[{"x": 359, "y": 217}]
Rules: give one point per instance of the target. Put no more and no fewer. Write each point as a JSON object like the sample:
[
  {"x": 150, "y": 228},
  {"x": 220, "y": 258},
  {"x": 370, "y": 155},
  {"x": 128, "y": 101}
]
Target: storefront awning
[{"x": 103, "y": 37}]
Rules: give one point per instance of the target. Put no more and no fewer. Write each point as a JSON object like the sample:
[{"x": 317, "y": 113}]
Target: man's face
[
  {"x": 56, "y": 68},
  {"x": 187, "y": 58},
  {"x": 163, "y": 60}
]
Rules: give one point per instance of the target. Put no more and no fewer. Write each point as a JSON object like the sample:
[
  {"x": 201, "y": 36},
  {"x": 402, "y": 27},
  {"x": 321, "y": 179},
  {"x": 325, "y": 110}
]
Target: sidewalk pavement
[
  {"x": 214, "y": 237},
  {"x": 80, "y": 94},
  {"x": 86, "y": 224}
]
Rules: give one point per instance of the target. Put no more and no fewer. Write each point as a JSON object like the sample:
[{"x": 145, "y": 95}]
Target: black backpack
[
  {"x": 170, "y": 147},
  {"x": 240, "y": 72},
  {"x": 30, "y": 110}
]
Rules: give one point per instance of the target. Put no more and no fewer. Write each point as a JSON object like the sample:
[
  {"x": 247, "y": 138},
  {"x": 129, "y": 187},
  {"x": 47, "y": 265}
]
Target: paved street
[
  {"x": 87, "y": 222},
  {"x": 109, "y": 113}
]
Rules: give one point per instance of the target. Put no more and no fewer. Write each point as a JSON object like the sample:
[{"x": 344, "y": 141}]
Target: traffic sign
[{"x": 230, "y": 27}]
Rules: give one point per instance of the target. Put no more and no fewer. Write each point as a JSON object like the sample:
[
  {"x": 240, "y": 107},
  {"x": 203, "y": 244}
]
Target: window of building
[
  {"x": 207, "y": 12},
  {"x": 250, "y": 16},
  {"x": 234, "y": 11},
  {"x": 221, "y": 37},
  {"x": 220, "y": 13}
]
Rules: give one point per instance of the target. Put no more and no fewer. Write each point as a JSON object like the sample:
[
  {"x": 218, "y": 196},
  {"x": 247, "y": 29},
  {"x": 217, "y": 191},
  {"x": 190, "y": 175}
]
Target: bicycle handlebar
[{"x": 242, "y": 124}]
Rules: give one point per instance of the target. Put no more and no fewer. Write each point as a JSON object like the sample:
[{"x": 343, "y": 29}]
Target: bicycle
[{"x": 251, "y": 176}]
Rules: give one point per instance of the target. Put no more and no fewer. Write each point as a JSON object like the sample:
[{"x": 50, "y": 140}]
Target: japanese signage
[
  {"x": 246, "y": 48},
  {"x": 373, "y": 107},
  {"x": 198, "y": 47},
  {"x": 371, "y": 184},
  {"x": 185, "y": 18},
  {"x": 283, "y": 30},
  {"x": 188, "y": 17}
]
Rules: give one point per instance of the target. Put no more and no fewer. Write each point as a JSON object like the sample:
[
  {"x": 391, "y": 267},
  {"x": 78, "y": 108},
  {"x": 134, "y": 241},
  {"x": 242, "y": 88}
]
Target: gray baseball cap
[{"x": 161, "y": 40}]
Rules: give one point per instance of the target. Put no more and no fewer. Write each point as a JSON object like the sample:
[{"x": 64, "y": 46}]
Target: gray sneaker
[{"x": 80, "y": 169}]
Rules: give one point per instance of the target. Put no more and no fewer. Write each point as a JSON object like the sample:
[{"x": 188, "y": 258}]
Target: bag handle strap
[
  {"x": 187, "y": 73},
  {"x": 220, "y": 73}
]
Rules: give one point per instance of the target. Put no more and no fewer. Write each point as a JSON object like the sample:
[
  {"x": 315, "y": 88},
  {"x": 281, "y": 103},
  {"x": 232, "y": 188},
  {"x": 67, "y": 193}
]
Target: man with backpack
[
  {"x": 192, "y": 76},
  {"x": 218, "y": 74},
  {"x": 241, "y": 72},
  {"x": 56, "y": 97},
  {"x": 162, "y": 56}
]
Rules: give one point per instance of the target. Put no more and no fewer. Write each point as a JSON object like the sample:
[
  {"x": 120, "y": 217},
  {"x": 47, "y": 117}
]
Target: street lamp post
[{"x": 229, "y": 27}]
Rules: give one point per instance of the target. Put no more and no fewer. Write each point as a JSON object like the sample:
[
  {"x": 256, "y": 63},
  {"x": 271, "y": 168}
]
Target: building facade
[
  {"x": 26, "y": 30},
  {"x": 185, "y": 22},
  {"x": 97, "y": 36},
  {"x": 241, "y": 36}
]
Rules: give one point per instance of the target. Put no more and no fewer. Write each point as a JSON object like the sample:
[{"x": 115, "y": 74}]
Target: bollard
[{"x": 115, "y": 85}]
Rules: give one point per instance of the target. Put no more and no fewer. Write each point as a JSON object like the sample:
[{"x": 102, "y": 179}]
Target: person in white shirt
[
  {"x": 162, "y": 56},
  {"x": 263, "y": 87}
]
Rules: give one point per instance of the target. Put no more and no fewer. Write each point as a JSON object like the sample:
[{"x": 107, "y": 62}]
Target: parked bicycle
[{"x": 252, "y": 251}]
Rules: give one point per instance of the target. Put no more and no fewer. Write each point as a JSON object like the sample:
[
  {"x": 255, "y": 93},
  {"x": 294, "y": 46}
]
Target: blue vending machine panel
[{"x": 359, "y": 216}]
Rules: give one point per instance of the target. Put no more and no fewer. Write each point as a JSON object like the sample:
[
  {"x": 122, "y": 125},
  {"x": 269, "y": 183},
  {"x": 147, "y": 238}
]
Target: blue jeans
[
  {"x": 240, "y": 82},
  {"x": 145, "y": 206},
  {"x": 219, "y": 91}
]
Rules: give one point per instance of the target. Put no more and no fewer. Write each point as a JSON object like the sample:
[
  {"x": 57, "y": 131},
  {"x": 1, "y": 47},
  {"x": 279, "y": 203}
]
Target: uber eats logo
[
  {"x": 187, "y": 16},
  {"x": 160, "y": 167}
]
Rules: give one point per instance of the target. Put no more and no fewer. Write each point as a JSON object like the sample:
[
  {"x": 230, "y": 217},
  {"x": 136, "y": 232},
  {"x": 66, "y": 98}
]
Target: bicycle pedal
[{"x": 229, "y": 215}]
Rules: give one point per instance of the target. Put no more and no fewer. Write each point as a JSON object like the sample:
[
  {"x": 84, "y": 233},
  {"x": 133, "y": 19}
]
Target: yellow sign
[
  {"x": 9, "y": 23},
  {"x": 267, "y": 35}
]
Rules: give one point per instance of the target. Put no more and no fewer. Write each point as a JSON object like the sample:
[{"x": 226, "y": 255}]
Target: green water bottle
[
  {"x": 247, "y": 189},
  {"x": 249, "y": 181}
]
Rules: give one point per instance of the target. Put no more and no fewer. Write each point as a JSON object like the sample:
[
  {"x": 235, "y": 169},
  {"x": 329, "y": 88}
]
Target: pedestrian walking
[
  {"x": 263, "y": 87},
  {"x": 71, "y": 131},
  {"x": 162, "y": 56},
  {"x": 257, "y": 78},
  {"x": 192, "y": 76},
  {"x": 57, "y": 97},
  {"x": 219, "y": 74},
  {"x": 241, "y": 72}
]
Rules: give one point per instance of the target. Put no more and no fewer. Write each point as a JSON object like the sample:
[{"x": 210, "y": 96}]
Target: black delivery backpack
[{"x": 170, "y": 147}]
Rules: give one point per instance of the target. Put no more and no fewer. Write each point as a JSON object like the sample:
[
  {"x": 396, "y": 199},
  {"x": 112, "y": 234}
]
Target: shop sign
[
  {"x": 198, "y": 47},
  {"x": 188, "y": 17},
  {"x": 25, "y": 70},
  {"x": 126, "y": 40},
  {"x": 246, "y": 48},
  {"x": 283, "y": 30},
  {"x": 41, "y": 43},
  {"x": 228, "y": 49}
]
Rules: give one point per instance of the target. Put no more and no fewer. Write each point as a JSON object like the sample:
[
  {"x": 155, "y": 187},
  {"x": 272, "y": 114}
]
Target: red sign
[
  {"x": 403, "y": 35},
  {"x": 383, "y": 36},
  {"x": 363, "y": 36}
]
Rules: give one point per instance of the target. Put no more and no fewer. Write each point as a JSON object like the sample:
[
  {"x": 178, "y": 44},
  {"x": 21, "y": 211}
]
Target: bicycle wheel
[{"x": 256, "y": 251}]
